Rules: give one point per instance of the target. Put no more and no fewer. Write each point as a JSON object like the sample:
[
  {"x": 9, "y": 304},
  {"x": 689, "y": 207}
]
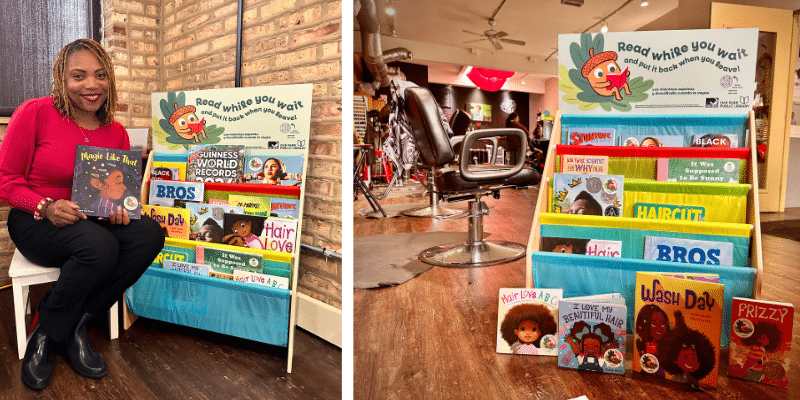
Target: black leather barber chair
[{"x": 465, "y": 182}]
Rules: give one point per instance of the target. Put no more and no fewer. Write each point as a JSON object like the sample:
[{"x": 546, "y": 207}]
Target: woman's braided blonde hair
[{"x": 59, "y": 92}]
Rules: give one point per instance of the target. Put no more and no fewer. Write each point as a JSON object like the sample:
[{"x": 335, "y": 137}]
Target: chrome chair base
[
  {"x": 468, "y": 255},
  {"x": 431, "y": 211}
]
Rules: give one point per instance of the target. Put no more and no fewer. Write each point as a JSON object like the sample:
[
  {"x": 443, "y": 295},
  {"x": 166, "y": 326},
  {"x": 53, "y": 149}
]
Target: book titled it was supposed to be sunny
[
  {"x": 526, "y": 321},
  {"x": 677, "y": 328}
]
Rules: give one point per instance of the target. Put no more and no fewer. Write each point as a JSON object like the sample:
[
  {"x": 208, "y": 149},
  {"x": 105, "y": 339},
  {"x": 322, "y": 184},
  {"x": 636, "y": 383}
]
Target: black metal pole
[{"x": 239, "y": 21}]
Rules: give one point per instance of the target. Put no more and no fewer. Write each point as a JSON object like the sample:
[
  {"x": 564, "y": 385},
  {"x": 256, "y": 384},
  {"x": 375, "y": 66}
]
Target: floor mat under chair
[
  {"x": 390, "y": 260},
  {"x": 391, "y": 210},
  {"x": 789, "y": 229}
]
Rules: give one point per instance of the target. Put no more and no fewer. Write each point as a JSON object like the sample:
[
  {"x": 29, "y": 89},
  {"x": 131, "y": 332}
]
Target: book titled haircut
[
  {"x": 669, "y": 212},
  {"x": 106, "y": 179},
  {"x": 677, "y": 328},
  {"x": 761, "y": 341},
  {"x": 215, "y": 163},
  {"x": 526, "y": 321},
  {"x": 591, "y": 333}
]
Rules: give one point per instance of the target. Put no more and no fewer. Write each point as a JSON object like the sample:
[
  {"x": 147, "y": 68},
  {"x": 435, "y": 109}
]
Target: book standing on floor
[
  {"x": 591, "y": 333},
  {"x": 526, "y": 321}
]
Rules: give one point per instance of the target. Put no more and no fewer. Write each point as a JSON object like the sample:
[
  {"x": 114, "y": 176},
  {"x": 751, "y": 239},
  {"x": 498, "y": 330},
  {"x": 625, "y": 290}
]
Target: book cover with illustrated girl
[
  {"x": 761, "y": 341},
  {"x": 526, "y": 321},
  {"x": 206, "y": 221},
  {"x": 596, "y": 194},
  {"x": 591, "y": 333},
  {"x": 273, "y": 170},
  {"x": 106, "y": 179},
  {"x": 243, "y": 230},
  {"x": 677, "y": 329}
]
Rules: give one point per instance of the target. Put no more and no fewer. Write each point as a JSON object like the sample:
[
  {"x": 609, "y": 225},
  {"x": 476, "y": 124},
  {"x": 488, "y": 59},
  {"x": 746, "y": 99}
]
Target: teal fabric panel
[
  {"x": 580, "y": 275},
  {"x": 633, "y": 239},
  {"x": 685, "y": 125},
  {"x": 170, "y": 157},
  {"x": 277, "y": 268},
  {"x": 238, "y": 309}
]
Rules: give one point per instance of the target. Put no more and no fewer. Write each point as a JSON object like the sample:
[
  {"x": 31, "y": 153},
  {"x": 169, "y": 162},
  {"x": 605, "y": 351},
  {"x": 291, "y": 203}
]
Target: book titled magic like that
[{"x": 105, "y": 179}]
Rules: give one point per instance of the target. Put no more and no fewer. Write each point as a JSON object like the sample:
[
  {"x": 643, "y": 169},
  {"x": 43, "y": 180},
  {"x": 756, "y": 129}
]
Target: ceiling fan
[{"x": 495, "y": 37}]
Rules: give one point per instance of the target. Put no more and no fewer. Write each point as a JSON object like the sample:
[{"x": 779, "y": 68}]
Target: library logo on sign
[
  {"x": 272, "y": 145},
  {"x": 712, "y": 102}
]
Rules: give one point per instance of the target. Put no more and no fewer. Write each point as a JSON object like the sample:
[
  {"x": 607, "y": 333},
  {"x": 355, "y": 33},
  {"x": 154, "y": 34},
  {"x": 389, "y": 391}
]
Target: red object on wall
[{"x": 490, "y": 80}]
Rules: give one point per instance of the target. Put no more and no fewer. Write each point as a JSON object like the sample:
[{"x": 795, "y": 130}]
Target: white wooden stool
[{"x": 23, "y": 274}]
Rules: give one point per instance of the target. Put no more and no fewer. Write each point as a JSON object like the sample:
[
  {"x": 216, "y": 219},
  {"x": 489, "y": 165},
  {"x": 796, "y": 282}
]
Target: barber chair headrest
[{"x": 430, "y": 136}]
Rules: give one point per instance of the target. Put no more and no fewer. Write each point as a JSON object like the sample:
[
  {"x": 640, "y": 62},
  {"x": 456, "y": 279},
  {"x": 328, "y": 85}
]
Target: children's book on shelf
[
  {"x": 526, "y": 321},
  {"x": 713, "y": 278},
  {"x": 589, "y": 247},
  {"x": 591, "y": 136},
  {"x": 191, "y": 268},
  {"x": 164, "y": 173},
  {"x": 243, "y": 230},
  {"x": 284, "y": 208},
  {"x": 261, "y": 279},
  {"x": 670, "y": 212},
  {"x": 206, "y": 221},
  {"x": 715, "y": 140},
  {"x": 677, "y": 328},
  {"x": 596, "y": 194},
  {"x": 707, "y": 170},
  {"x": 688, "y": 251},
  {"x": 761, "y": 341},
  {"x": 215, "y": 163},
  {"x": 174, "y": 221},
  {"x": 579, "y": 164},
  {"x": 174, "y": 253},
  {"x": 591, "y": 333},
  {"x": 107, "y": 179},
  {"x": 651, "y": 141},
  {"x": 280, "y": 234},
  {"x": 178, "y": 169},
  {"x": 164, "y": 193},
  {"x": 253, "y": 205},
  {"x": 273, "y": 170},
  {"x": 222, "y": 263}
]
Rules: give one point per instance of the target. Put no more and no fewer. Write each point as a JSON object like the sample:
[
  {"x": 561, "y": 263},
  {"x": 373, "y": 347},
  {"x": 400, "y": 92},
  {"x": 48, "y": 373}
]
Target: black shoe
[
  {"x": 36, "y": 367},
  {"x": 85, "y": 361}
]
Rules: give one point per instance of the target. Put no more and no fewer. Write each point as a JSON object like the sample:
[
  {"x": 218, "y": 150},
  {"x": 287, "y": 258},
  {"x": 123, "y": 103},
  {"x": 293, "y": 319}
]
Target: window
[{"x": 32, "y": 34}]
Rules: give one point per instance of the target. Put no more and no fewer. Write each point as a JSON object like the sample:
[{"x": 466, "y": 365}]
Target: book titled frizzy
[{"x": 761, "y": 341}]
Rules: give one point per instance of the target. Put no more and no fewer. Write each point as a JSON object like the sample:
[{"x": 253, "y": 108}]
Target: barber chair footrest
[{"x": 468, "y": 255}]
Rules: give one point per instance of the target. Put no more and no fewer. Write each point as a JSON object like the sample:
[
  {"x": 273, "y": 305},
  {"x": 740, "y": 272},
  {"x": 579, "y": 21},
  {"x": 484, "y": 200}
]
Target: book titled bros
[
  {"x": 526, "y": 321},
  {"x": 596, "y": 194},
  {"x": 105, "y": 179}
]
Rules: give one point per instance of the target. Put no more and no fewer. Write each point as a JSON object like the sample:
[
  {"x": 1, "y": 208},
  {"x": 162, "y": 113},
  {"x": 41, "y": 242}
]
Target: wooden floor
[
  {"x": 434, "y": 336},
  {"x": 157, "y": 360}
]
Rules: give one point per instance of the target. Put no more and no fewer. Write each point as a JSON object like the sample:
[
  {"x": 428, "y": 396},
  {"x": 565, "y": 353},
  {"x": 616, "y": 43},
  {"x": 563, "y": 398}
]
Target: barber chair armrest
[{"x": 479, "y": 176}]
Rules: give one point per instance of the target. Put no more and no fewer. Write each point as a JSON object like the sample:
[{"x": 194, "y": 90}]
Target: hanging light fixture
[
  {"x": 645, "y": 3},
  {"x": 490, "y": 80},
  {"x": 604, "y": 27},
  {"x": 390, "y": 10}
]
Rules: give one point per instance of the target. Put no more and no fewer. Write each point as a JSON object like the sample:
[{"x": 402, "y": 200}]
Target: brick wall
[{"x": 159, "y": 46}]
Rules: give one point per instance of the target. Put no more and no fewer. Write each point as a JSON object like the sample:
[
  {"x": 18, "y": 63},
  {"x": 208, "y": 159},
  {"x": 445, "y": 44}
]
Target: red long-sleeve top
[{"x": 37, "y": 156}]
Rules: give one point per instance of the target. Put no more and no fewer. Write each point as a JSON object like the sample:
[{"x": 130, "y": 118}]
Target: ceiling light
[
  {"x": 645, "y": 3},
  {"x": 604, "y": 28},
  {"x": 390, "y": 8}
]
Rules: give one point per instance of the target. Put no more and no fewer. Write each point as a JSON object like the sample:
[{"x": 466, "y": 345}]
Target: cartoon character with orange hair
[{"x": 604, "y": 74}]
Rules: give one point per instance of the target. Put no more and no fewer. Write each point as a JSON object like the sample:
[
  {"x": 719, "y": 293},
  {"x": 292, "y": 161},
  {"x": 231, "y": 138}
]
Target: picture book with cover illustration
[
  {"x": 526, "y": 321},
  {"x": 280, "y": 234},
  {"x": 243, "y": 230},
  {"x": 579, "y": 164},
  {"x": 174, "y": 253},
  {"x": 715, "y": 140},
  {"x": 164, "y": 173},
  {"x": 178, "y": 169},
  {"x": 591, "y": 136},
  {"x": 174, "y": 221},
  {"x": 273, "y": 170},
  {"x": 261, "y": 279},
  {"x": 677, "y": 328},
  {"x": 284, "y": 208},
  {"x": 191, "y": 268},
  {"x": 589, "y": 247},
  {"x": 106, "y": 180},
  {"x": 253, "y": 205},
  {"x": 651, "y": 141},
  {"x": 222, "y": 263},
  {"x": 761, "y": 341},
  {"x": 215, "y": 163},
  {"x": 669, "y": 212},
  {"x": 707, "y": 170},
  {"x": 688, "y": 251},
  {"x": 164, "y": 193},
  {"x": 591, "y": 333},
  {"x": 206, "y": 221},
  {"x": 596, "y": 194}
]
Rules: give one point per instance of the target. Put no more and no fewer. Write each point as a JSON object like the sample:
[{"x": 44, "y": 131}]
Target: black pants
[{"x": 98, "y": 262}]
